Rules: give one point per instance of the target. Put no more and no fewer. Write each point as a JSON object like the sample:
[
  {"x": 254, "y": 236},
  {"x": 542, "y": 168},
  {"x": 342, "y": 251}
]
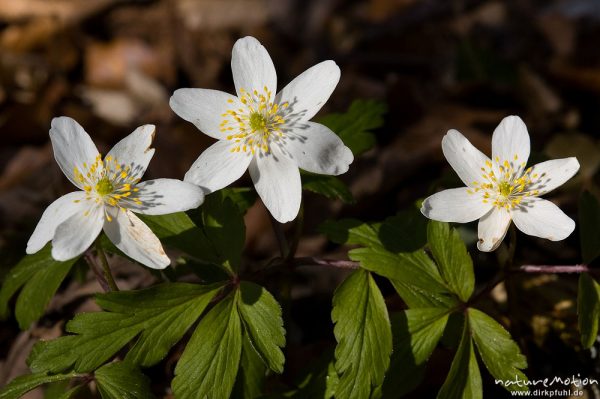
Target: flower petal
[
  {"x": 309, "y": 91},
  {"x": 315, "y": 148},
  {"x": 541, "y": 218},
  {"x": 204, "y": 108},
  {"x": 133, "y": 151},
  {"x": 552, "y": 174},
  {"x": 465, "y": 159},
  {"x": 162, "y": 196},
  {"x": 492, "y": 229},
  {"x": 58, "y": 211},
  {"x": 135, "y": 239},
  {"x": 72, "y": 147},
  {"x": 277, "y": 181},
  {"x": 510, "y": 141},
  {"x": 252, "y": 66},
  {"x": 218, "y": 166},
  {"x": 455, "y": 205},
  {"x": 73, "y": 236}
]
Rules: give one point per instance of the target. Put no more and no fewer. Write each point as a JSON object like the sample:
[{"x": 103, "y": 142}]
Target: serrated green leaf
[
  {"x": 122, "y": 381},
  {"x": 25, "y": 383},
  {"x": 40, "y": 276},
  {"x": 158, "y": 316},
  {"x": 350, "y": 231},
  {"x": 416, "y": 333},
  {"x": 355, "y": 125},
  {"x": 452, "y": 257},
  {"x": 261, "y": 317},
  {"x": 210, "y": 361},
  {"x": 414, "y": 272},
  {"x": 464, "y": 379},
  {"x": 363, "y": 332},
  {"x": 500, "y": 354},
  {"x": 328, "y": 186},
  {"x": 588, "y": 309},
  {"x": 589, "y": 220},
  {"x": 250, "y": 381}
]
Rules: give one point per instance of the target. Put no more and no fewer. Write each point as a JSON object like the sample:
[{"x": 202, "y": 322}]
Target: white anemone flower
[
  {"x": 269, "y": 134},
  {"x": 110, "y": 193},
  {"x": 502, "y": 189}
]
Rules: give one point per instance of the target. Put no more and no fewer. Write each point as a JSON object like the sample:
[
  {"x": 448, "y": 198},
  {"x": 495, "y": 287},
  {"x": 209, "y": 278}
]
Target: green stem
[{"x": 106, "y": 268}]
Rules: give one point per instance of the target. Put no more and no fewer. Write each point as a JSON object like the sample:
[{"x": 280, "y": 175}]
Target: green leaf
[
  {"x": 588, "y": 309},
  {"x": 452, "y": 257},
  {"x": 250, "y": 380},
  {"x": 328, "y": 186},
  {"x": 355, "y": 125},
  {"x": 25, "y": 383},
  {"x": 351, "y": 232},
  {"x": 416, "y": 333},
  {"x": 158, "y": 316},
  {"x": 319, "y": 380},
  {"x": 413, "y": 272},
  {"x": 242, "y": 197},
  {"x": 122, "y": 381},
  {"x": 363, "y": 332},
  {"x": 177, "y": 230},
  {"x": 261, "y": 316},
  {"x": 40, "y": 276},
  {"x": 210, "y": 361},
  {"x": 500, "y": 354},
  {"x": 224, "y": 226},
  {"x": 589, "y": 220},
  {"x": 464, "y": 379},
  {"x": 404, "y": 232}
]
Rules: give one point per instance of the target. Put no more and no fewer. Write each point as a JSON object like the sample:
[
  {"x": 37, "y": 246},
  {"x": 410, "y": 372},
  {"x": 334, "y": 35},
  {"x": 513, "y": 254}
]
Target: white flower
[
  {"x": 110, "y": 192},
  {"x": 501, "y": 189},
  {"x": 266, "y": 133}
]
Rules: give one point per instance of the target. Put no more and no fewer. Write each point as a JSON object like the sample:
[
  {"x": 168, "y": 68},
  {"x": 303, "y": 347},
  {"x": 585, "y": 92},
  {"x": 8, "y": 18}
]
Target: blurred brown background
[{"x": 438, "y": 64}]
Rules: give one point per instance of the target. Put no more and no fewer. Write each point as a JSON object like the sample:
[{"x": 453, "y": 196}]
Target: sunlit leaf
[
  {"x": 122, "y": 381},
  {"x": 25, "y": 383},
  {"x": 588, "y": 309},
  {"x": 363, "y": 332}
]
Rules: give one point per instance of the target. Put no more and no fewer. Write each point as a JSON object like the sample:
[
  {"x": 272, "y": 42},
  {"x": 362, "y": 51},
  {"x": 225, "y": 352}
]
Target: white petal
[
  {"x": 455, "y": 205},
  {"x": 541, "y": 218},
  {"x": 133, "y": 151},
  {"x": 465, "y": 159},
  {"x": 277, "y": 181},
  {"x": 315, "y": 148},
  {"x": 135, "y": 239},
  {"x": 72, "y": 146},
  {"x": 552, "y": 174},
  {"x": 309, "y": 91},
  {"x": 73, "y": 236},
  {"x": 58, "y": 211},
  {"x": 218, "y": 167},
  {"x": 492, "y": 229},
  {"x": 511, "y": 139},
  {"x": 162, "y": 196},
  {"x": 204, "y": 108},
  {"x": 252, "y": 66}
]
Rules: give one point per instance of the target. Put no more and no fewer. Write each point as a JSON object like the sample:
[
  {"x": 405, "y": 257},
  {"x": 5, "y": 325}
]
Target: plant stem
[
  {"x": 340, "y": 264},
  {"x": 106, "y": 268},
  {"x": 91, "y": 261}
]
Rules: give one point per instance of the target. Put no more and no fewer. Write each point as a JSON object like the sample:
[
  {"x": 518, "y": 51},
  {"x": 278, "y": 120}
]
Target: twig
[
  {"x": 554, "y": 269},
  {"x": 340, "y": 264}
]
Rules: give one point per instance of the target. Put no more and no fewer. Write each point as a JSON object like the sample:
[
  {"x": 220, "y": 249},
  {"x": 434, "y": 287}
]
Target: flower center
[
  {"x": 104, "y": 186},
  {"x": 108, "y": 181},
  {"x": 505, "y": 183},
  {"x": 253, "y": 126},
  {"x": 257, "y": 121}
]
